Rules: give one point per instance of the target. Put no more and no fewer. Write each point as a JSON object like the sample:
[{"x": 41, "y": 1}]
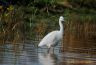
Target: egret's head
[{"x": 61, "y": 18}]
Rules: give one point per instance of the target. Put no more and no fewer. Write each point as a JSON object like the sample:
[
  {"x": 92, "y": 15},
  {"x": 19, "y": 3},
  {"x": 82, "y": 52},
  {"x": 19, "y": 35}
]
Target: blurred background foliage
[{"x": 26, "y": 19}]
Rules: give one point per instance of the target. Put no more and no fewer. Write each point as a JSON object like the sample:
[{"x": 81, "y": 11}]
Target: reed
[{"x": 80, "y": 33}]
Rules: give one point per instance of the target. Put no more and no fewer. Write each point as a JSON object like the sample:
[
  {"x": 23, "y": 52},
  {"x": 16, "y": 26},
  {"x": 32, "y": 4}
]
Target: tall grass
[
  {"x": 11, "y": 25},
  {"x": 80, "y": 33}
]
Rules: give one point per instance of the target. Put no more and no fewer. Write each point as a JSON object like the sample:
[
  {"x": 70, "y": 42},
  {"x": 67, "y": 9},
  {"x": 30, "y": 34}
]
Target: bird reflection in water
[{"x": 48, "y": 59}]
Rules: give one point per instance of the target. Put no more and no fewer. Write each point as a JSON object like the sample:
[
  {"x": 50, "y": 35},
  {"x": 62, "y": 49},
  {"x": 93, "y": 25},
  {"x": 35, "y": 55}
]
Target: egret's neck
[{"x": 61, "y": 26}]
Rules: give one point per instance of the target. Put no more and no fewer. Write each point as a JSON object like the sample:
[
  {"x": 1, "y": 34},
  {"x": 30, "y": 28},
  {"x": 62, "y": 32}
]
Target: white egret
[{"x": 54, "y": 37}]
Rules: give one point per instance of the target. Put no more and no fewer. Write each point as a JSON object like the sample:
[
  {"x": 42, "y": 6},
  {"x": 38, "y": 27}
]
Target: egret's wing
[{"x": 48, "y": 39}]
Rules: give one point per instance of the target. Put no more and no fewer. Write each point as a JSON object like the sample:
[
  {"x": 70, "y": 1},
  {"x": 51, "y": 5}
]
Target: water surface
[{"x": 29, "y": 55}]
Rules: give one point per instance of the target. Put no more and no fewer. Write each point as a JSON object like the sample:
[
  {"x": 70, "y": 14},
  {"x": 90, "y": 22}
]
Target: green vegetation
[{"x": 26, "y": 19}]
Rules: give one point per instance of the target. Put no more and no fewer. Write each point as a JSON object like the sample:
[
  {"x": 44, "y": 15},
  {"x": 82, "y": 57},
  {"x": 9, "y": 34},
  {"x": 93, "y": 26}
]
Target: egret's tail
[{"x": 40, "y": 44}]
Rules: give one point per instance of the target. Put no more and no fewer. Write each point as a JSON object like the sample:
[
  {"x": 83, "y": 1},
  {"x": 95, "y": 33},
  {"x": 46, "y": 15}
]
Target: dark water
[{"x": 29, "y": 55}]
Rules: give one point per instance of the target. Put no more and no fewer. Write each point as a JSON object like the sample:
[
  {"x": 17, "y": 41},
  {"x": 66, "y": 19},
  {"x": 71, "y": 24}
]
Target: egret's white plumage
[{"x": 54, "y": 37}]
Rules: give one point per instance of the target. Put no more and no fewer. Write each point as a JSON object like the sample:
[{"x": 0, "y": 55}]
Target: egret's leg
[
  {"x": 48, "y": 50},
  {"x": 52, "y": 49},
  {"x": 49, "y": 46}
]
